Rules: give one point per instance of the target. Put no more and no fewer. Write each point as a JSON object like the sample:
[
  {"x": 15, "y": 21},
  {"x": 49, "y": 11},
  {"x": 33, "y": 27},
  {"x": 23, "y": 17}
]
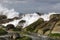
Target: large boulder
[{"x": 10, "y": 26}]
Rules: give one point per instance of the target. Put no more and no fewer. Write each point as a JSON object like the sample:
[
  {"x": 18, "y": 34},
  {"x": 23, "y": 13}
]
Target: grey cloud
[
  {"x": 26, "y": 6},
  {"x": 12, "y": 1}
]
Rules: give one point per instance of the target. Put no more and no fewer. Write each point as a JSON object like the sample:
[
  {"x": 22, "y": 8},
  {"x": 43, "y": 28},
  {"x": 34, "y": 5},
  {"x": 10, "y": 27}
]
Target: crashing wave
[{"x": 29, "y": 18}]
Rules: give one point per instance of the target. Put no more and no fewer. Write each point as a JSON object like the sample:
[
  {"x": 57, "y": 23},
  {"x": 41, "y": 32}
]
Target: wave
[{"x": 29, "y": 18}]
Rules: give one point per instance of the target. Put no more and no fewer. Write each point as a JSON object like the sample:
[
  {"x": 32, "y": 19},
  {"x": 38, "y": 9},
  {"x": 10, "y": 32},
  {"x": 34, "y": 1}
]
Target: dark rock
[
  {"x": 10, "y": 26},
  {"x": 39, "y": 13},
  {"x": 22, "y": 21},
  {"x": 3, "y": 17}
]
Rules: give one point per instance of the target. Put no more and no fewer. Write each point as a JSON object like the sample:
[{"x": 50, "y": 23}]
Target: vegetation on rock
[
  {"x": 55, "y": 35},
  {"x": 3, "y": 32},
  {"x": 33, "y": 26}
]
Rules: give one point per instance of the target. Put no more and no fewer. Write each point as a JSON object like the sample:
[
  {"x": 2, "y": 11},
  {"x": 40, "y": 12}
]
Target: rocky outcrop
[
  {"x": 51, "y": 25},
  {"x": 56, "y": 29},
  {"x": 34, "y": 25},
  {"x": 3, "y": 19},
  {"x": 45, "y": 27},
  {"x": 55, "y": 16}
]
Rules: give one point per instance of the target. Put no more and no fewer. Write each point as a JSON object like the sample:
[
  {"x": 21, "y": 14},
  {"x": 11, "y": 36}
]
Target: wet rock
[{"x": 10, "y": 26}]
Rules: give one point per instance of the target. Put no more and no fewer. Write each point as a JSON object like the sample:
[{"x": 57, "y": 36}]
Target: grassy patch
[{"x": 55, "y": 35}]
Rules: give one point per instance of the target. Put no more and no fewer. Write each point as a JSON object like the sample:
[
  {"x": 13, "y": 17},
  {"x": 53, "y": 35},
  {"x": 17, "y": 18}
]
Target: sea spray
[
  {"x": 29, "y": 18},
  {"x": 9, "y": 13},
  {"x": 46, "y": 17}
]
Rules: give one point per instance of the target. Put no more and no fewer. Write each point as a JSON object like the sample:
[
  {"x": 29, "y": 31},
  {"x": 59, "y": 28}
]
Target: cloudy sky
[{"x": 29, "y": 6}]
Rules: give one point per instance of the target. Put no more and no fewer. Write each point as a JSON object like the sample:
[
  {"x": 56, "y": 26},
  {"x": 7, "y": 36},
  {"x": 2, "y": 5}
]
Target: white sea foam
[{"x": 29, "y": 18}]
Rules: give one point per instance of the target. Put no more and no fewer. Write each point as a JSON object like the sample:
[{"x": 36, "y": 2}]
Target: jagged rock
[
  {"x": 39, "y": 13},
  {"x": 48, "y": 26},
  {"x": 37, "y": 30}
]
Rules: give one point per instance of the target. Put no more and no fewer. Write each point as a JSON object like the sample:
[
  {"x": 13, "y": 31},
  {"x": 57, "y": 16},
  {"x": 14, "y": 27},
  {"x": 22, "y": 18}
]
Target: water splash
[
  {"x": 46, "y": 17},
  {"x": 9, "y": 13},
  {"x": 29, "y": 18}
]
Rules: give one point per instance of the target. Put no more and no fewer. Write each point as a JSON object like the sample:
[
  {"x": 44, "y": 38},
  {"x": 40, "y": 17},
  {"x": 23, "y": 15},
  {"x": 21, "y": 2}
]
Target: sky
[{"x": 30, "y": 6}]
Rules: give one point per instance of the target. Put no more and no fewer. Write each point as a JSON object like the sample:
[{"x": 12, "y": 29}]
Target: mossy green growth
[
  {"x": 55, "y": 35},
  {"x": 33, "y": 26},
  {"x": 24, "y": 38},
  {"x": 3, "y": 32}
]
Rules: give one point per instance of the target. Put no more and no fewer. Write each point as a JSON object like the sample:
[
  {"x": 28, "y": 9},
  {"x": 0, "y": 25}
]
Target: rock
[
  {"x": 3, "y": 17},
  {"x": 21, "y": 23},
  {"x": 5, "y": 21},
  {"x": 34, "y": 25},
  {"x": 16, "y": 18},
  {"x": 39, "y": 13},
  {"x": 56, "y": 16},
  {"x": 10, "y": 26},
  {"x": 56, "y": 28}
]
